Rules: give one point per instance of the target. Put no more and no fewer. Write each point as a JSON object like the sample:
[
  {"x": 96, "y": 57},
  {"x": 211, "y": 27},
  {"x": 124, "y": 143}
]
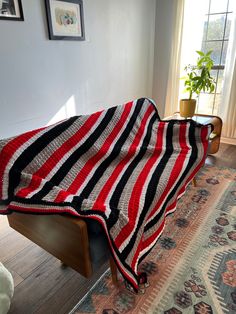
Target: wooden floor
[{"x": 42, "y": 285}]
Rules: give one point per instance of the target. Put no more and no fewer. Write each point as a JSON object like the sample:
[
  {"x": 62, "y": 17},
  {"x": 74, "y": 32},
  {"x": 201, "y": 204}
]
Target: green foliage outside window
[{"x": 214, "y": 33}]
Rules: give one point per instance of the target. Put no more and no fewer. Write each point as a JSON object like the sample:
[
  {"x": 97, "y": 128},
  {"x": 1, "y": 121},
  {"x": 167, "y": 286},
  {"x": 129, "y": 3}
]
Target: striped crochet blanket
[{"x": 122, "y": 166}]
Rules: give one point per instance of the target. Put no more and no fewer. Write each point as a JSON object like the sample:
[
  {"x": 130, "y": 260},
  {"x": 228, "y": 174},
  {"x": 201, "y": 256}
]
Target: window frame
[{"x": 219, "y": 66}]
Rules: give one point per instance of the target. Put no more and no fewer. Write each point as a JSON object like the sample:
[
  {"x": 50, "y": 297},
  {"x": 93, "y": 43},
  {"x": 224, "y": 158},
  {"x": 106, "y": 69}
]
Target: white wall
[
  {"x": 42, "y": 81},
  {"x": 164, "y": 27}
]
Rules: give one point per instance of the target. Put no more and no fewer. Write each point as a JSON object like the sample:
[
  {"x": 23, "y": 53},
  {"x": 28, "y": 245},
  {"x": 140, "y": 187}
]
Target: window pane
[
  {"x": 220, "y": 78},
  {"x": 230, "y": 8},
  {"x": 214, "y": 75},
  {"x": 224, "y": 52},
  {"x": 228, "y": 24},
  {"x": 216, "y": 47},
  {"x": 216, "y": 27},
  {"x": 205, "y": 103},
  {"x": 204, "y": 30},
  {"x": 217, "y": 104},
  {"x": 218, "y": 6},
  {"x": 220, "y": 81}
]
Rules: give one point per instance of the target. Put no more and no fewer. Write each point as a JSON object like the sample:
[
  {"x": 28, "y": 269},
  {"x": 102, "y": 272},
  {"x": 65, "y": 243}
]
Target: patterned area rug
[{"x": 192, "y": 268}]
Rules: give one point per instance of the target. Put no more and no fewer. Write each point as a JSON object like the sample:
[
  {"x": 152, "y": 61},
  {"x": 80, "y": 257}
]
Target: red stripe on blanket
[
  {"x": 9, "y": 150},
  {"x": 137, "y": 190},
  {"x": 175, "y": 170},
  {"x": 101, "y": 199},
  {"x": 51, "y": 162},
  {"x": 91, "y": 163}
]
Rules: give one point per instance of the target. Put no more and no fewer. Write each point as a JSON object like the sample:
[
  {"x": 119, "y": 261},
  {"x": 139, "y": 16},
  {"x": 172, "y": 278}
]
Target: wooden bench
[{"x": 64, "y": 237}]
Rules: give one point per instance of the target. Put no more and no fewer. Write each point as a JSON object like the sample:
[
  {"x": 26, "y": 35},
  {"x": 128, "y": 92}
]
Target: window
[
  {"x": 215, "y": 37},
  {"x": 208, "y": 28}
]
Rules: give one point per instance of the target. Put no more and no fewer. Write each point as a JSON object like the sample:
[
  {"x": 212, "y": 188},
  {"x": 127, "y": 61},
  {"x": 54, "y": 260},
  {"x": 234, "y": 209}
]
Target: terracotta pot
[{"x": 187, "y": 107}]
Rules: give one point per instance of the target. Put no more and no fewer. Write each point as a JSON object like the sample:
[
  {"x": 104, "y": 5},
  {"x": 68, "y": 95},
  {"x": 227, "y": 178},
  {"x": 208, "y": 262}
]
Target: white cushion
[{"x": 6, "y": 289}]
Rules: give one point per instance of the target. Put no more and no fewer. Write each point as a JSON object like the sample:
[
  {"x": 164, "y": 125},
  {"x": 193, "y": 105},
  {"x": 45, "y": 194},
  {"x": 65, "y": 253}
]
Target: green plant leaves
[
  {"x": 200, "y": 53},
  {"x": 198, "y": 76}
]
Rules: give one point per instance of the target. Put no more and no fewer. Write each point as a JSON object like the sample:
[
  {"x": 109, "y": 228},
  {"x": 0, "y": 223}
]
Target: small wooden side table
[{"x": 214, "y": 142}]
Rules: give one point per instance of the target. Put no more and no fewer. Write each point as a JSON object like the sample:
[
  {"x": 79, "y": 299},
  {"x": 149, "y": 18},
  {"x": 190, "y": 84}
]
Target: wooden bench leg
[
  {"x": 63, "y": 265},
  {"x": 113, "y": 268}
]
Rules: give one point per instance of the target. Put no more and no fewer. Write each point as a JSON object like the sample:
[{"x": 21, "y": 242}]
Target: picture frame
[
  {"x": 65, "y": 19},
  {"x": 11, "y": 10}
]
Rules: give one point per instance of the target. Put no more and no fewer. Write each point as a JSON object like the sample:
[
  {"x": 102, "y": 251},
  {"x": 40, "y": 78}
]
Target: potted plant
[{"x": 197, "y": 79}]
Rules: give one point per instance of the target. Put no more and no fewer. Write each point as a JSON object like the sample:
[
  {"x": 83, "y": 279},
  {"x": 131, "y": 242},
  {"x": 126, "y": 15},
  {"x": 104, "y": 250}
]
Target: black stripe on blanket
[
  {"x": 152, "y": 187},
  {"x": 115, "y": 152},
  {"x": 191, "y": 162},
  {"x": 128, "y": 172},
  {"x": 31, "y": 151},
  {"x": 68, "y": 164}
]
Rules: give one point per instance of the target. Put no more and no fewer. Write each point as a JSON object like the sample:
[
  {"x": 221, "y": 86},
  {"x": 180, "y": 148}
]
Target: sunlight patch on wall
[{"x": 68, "y": 110}]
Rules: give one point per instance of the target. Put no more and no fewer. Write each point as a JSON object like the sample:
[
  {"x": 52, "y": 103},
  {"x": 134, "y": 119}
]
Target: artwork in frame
[
  {"x": 65, "y": 19},
  {"x": 11, "y": 10}
]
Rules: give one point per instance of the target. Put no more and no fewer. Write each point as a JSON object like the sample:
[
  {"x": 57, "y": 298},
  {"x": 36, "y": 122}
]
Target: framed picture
[
  {"x": 65, "y": 19},
  {"x": 11, "y": 10}
]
